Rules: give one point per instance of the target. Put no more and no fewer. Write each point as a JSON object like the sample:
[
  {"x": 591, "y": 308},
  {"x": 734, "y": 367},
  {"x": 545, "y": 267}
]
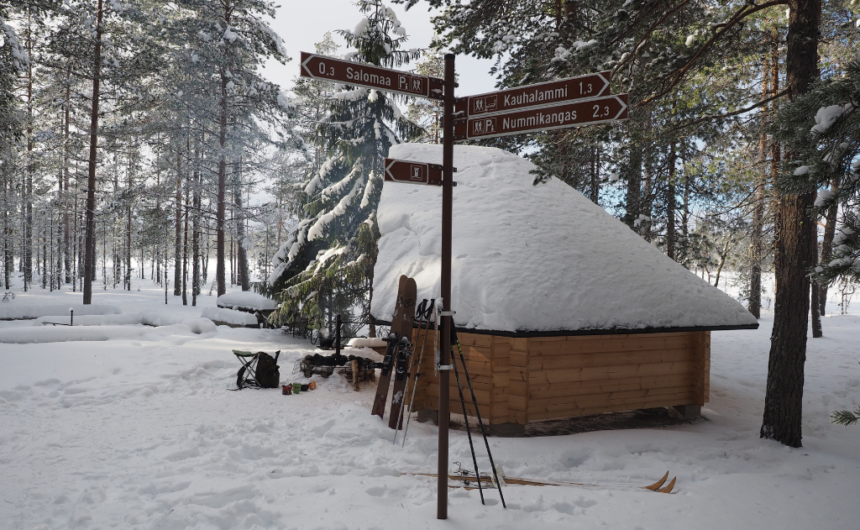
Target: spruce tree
[{"x": 326, "y": 265}]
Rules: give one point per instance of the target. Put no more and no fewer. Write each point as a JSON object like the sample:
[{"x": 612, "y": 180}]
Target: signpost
[
  {"x": 541, "y": 94},
  {"x": 409, "y": 172},
  {"x": 573, "y": 102},
  {"x": 366, "y": 75},
  {"x": 559, "y": 116}
]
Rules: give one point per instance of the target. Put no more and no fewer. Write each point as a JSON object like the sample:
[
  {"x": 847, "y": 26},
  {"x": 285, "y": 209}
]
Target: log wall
[{"x": 522, "y": 380}]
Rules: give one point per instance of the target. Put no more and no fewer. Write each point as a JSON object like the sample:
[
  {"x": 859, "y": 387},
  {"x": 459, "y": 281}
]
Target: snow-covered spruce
[{"x": 325, "y": 264}]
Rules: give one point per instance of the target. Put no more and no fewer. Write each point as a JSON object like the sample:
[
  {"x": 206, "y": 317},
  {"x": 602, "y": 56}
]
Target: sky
[{"x": 301, "y": 23}]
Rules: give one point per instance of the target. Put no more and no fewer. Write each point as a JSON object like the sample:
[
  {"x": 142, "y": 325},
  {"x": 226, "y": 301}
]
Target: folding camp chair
[{"x": 248, "y": 376}]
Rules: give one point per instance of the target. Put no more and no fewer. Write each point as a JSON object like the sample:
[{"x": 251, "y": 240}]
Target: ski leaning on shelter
[{"x": 527, "y": 109}]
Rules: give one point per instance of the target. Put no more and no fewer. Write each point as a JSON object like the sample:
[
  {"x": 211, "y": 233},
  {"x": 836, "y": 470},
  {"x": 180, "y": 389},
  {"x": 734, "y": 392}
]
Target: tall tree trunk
[
  {"x": 28, "y": 176},
  {"x": 634, "y": 180},
  {"x": 784, "y": 396},
  {"x": 670, "y": 204},
  {"x": 817, "y": 333},
  {"x": 177, "y": 254},
  {"x": 90, "y": 246},
  {"x": 195, "y": 232},
  {"x": 185, "y": 251},
  {"x": 595, "y": 174},
  {"x": 220, "y": 257},
  {"x": 827, "y": 246},
  {"x": 66, "y": 239},
  {"x": 775, "y": 149},
  {"x": 241, "y": 251},
  {"x": 758, "y": 211}
]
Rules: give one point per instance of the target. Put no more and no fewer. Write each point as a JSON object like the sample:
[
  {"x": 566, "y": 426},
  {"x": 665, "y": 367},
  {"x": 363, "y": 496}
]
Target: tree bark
[
  {"x": 90, "y": 245},
  {"x": 195, "y": 231},
  {"x": 670, "y": 204},
  {"x": 241, "y": 251},
  {"x": 758, "y": 211},
  {"x": 817, "y": 333},
  {"x": 66, "y": 241},
  {"x": 28, "y": 176},
  {"x": 220, "y": 276},
  {"x": 177, "y": 245},
  {"x": 827, "y": 247},
  {"x": 784, "y": 395}
]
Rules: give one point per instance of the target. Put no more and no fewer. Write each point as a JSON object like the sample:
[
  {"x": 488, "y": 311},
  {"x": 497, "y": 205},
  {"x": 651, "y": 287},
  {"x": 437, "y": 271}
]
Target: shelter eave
[{"x": 583, "y": 332}]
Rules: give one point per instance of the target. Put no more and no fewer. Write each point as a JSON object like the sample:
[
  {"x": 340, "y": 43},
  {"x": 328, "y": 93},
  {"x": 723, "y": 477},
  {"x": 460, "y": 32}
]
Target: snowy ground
[{"x": 141, "y": 432}]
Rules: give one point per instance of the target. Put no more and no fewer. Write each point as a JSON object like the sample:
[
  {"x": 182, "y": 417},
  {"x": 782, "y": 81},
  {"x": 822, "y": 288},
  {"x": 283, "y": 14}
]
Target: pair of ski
[{"x": 397, "y": 354}]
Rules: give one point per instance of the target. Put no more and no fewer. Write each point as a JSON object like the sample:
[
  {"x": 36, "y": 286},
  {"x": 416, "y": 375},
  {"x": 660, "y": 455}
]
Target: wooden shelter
[
  {"x": 519, "y": 380},
  {"x": 585, "y": 318}
]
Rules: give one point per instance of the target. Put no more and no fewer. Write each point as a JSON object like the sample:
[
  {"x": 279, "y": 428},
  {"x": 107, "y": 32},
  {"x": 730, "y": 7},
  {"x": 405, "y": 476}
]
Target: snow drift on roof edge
[{"x": 532, "y": 258}]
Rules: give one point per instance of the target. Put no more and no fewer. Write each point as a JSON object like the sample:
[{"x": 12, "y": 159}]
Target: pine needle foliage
[{"x": 326, "y": 266}]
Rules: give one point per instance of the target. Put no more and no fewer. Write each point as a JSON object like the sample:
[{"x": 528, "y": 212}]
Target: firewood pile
[{"x": 354, "y": 368}]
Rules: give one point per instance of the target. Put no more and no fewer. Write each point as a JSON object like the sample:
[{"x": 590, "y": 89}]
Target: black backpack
[{"x": 267, "y": 373}]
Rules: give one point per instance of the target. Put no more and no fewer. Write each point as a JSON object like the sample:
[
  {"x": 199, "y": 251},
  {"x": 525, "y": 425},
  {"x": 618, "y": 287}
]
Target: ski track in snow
[{"x": 144, "y": 434}]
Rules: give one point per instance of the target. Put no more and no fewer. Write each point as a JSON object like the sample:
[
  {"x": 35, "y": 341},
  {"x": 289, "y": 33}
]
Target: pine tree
[{"x": 326, "y": 265}]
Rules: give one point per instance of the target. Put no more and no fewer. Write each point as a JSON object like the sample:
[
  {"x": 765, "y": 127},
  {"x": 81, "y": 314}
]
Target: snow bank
[
  {"x": 96, "y": 333},
  {"x": 533, "y": 258},
  {"x": 229, "y": 316},
  {"x": 246, "y": 300},
  {"x": 144, "y": 318},
  {"x": 359, "y": 342},
  {"x": 13, "y": 311}
]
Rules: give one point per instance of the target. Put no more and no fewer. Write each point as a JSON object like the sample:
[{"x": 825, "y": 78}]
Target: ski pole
[
  {"x": 408, "y": 371},
  {"x": 456, "y": 340},
  {"x": 426, "y": 315},
  {"x": 468, "y": 430}
]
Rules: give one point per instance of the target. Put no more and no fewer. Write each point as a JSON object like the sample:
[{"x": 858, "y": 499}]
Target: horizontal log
[
  {"x": 540, "y": 409},
  {"x": 603, "y": 344},
  {"x": 541, "y": 340},
  {"x": 571, "y": 375},
  {"x": 582, "y": 360},
  {"x": 501, "y": 379},
  {"x": 520, "y": 344},
  {"x": 518, "y": 388},
  {"x": 517, "y": 403},
  {"x": 622, "y": 336},
  {"x": 607, "y": 386},
  {"x": 501, "y": 350},
  {"x": 483, "y": 396},
  {"x": 519, "y": 359},
  {"x": 474, "y": 339}
]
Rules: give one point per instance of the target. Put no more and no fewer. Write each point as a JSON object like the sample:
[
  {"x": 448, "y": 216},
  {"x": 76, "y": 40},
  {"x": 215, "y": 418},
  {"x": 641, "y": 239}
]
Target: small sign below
[{"x": 408, "y": 172}]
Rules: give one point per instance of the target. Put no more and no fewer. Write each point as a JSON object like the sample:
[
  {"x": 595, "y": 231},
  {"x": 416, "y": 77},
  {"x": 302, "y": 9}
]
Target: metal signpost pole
[{"x": 445, "y": 353}]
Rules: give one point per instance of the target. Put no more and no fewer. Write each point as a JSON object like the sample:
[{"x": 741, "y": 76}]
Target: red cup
[{"x": 286, "y": 389}]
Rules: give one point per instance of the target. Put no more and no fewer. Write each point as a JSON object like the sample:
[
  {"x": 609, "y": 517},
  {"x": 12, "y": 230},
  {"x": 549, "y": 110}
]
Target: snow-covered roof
[
  {"x": 533, "y": 258},
  {"x": 246, "y": 300}
]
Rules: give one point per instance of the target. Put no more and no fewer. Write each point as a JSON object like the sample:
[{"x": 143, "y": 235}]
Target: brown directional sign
[
  {"x": 601, "y": 110},
  {"x": 409, "y": 172},
  {"x": 365, "y": 75},
  {"x": 539, "y": 95}
]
